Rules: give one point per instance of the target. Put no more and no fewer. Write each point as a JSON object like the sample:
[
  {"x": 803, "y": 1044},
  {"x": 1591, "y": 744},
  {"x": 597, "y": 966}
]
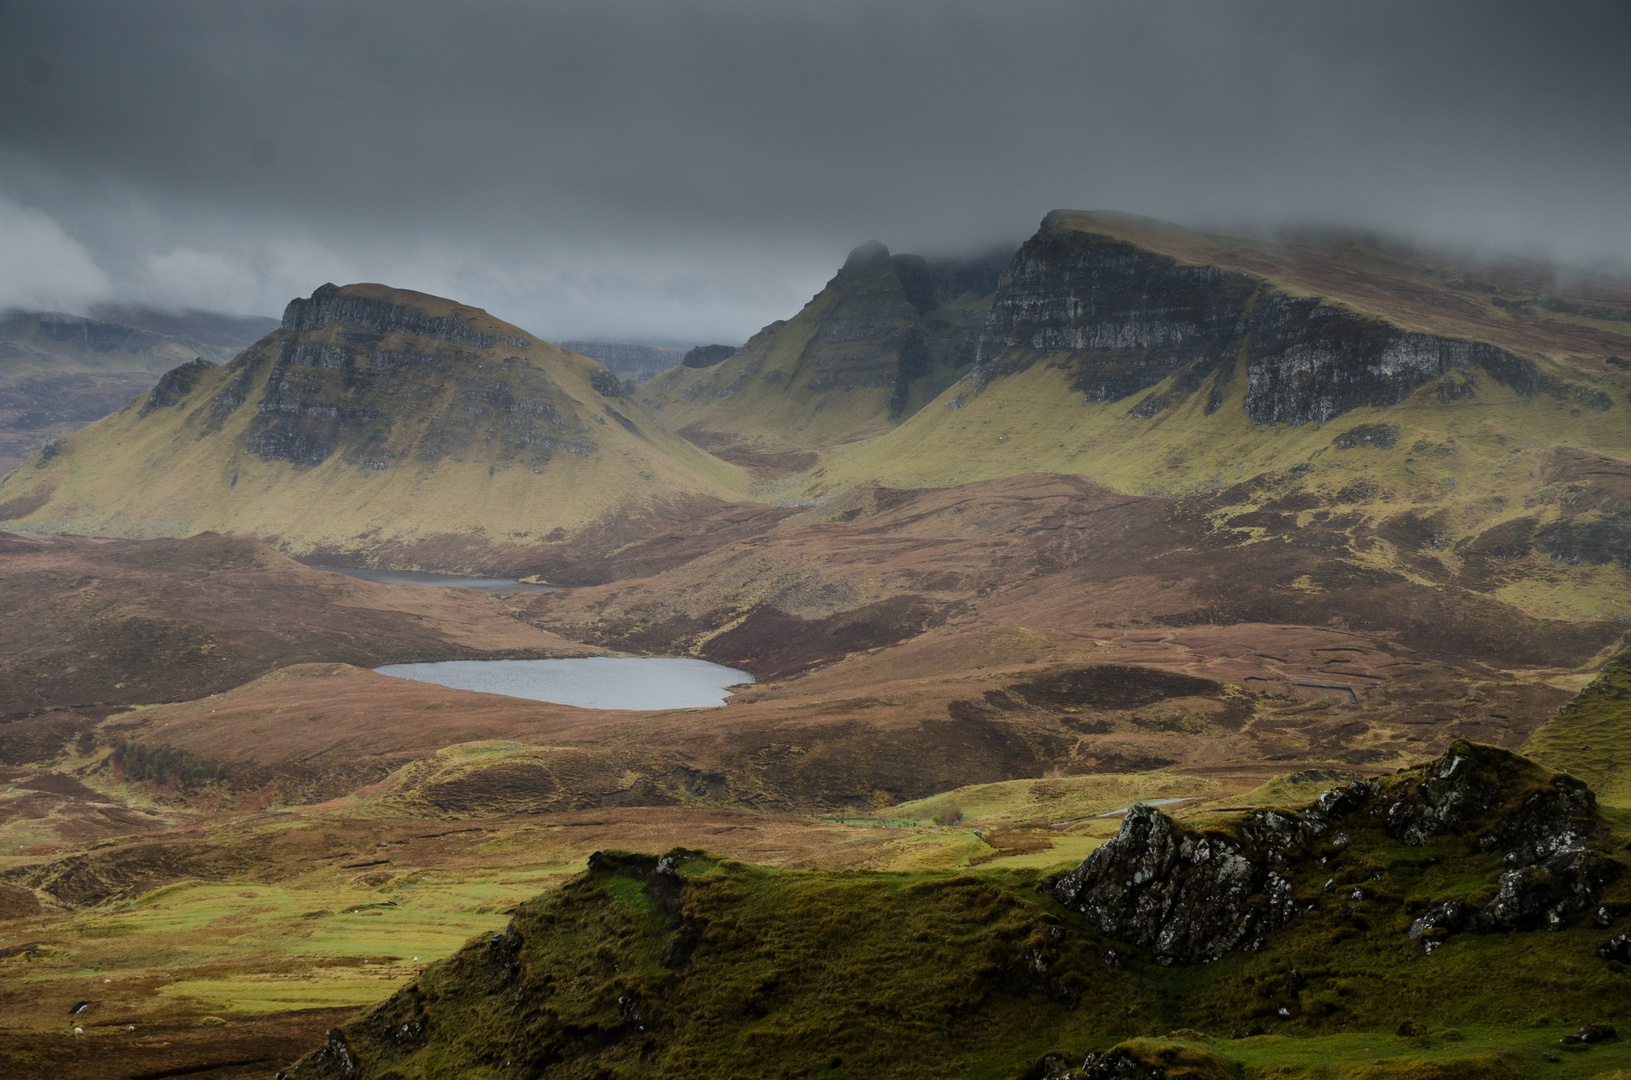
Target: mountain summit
[
  {"x": 372, "y": 417},
  {"x": 884, "y": 336}
]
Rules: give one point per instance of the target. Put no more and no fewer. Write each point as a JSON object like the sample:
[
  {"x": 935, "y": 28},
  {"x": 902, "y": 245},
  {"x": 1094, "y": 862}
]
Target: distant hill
[
  {"x": 59, "y": 372},
  {"x": 637, "y": 362},
  {"x": 373, "y": 420},
  {"x": 121, "y": 340},
  {"x": 1398, "y": 455},
  {"x": 884, "y": 336}
]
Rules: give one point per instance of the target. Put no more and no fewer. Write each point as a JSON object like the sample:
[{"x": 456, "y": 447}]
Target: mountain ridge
[
  {"x": 883, "y": 336},
  {"x": 405, "y": 417},
  {"x": 59, "y": 372}
]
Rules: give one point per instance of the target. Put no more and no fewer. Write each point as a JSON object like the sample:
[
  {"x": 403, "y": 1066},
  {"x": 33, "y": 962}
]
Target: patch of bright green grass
[
  {"x": 1590, "y": 736},
  {"x": 1053, "y": 800},
  {"x": 730, "y": 970},
  {"x": 301, "y": 946}
]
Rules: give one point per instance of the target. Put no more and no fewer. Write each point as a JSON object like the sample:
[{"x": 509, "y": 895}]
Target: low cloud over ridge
[{"x": 688, "y": 172}]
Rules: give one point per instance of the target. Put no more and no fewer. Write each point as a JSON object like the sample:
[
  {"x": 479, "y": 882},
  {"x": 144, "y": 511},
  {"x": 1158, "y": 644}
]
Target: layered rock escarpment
[
  {"x": 348, "y": 369},
  {"x": 1128, "y": 318},
  {"x": 377, "y": 315},
  {"x": 1191, "y": 895}
]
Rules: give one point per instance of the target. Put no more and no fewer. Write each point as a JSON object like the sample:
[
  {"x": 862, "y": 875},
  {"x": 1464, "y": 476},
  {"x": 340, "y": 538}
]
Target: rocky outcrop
[
  {"x": 174, "y": 385},
  {"x": 708, "y": 355},
  {"x": 1191, "y": 895},
  {"x": 1188, "y": 896},
  {"x": 1310, "y": 361},
  {"x": 1129, "y": 318},
  {"x": 331, "y": 304},
  {"x": 605, "y": 382},
  {"x": 1132, "y": 317},
  {"x": 869, "y": 336}
]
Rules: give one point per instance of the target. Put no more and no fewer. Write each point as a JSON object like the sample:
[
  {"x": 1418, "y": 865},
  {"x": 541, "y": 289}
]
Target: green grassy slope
[
  {"x": 502, "y": 442},
  {"x": 1466, "y": 467},
  {"x": 1591, "y": 735},
  {"x": 699, "y": 966}
]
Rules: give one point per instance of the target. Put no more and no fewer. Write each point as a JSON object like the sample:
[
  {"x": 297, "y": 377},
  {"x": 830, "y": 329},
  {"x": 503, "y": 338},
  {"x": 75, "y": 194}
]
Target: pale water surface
[
  {"x": 419, "y": 577},
  {"x": 595, "y": 682}
]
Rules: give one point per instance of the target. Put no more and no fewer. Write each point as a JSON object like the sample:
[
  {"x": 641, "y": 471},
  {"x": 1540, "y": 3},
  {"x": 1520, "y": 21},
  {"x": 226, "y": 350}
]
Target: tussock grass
[{"x": 723, "y": 969}]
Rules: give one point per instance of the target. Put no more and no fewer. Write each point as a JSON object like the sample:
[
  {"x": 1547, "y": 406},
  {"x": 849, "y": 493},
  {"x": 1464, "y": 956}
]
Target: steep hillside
[
  {"x": 1157, "y": 375},
  {"x": 373, "y": 420},
  {"x": 1287, "y": 942},
  {"x": 885, "y": 335},
  {"x": 59, "y": 372},
  {"x": 1591, "y": 735}
]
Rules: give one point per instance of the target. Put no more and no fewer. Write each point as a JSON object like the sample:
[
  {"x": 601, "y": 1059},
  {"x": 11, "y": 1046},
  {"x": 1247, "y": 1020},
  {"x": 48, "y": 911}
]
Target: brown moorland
[{"x": 98, "y": 624}]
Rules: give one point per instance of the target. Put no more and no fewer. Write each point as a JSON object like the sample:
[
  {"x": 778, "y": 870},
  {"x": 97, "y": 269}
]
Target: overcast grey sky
[{"x": 681, "y": 171}]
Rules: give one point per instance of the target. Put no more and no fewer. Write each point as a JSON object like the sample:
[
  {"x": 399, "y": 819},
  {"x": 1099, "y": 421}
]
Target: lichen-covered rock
[
  {"x": 1503, "y": 801},
  {"x": 1189, "y": 896},
  {"x": 1546, "y": 895},
  {"x": 1192, "y": 895},
  {"x": 333, "y": 1060}
]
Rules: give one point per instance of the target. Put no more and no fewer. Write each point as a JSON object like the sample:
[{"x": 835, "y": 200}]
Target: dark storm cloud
[{"x": 691, "y": 170}]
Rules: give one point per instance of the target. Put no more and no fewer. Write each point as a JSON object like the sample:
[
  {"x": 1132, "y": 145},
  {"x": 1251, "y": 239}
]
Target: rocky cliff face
[
  {"x": 870, "y": 337},
  {"x": 174, "y": 385},
  {"x": 331, "y": 304},
  {"x": 1129, "y": 318},
  {"x": 377, "y": 382},
  {"x": 901, "y": 327},
  {"x": 1191, "y": 895}
]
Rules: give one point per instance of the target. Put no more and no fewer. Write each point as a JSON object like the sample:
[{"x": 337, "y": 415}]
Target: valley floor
[{"x": 220, "y": 832}]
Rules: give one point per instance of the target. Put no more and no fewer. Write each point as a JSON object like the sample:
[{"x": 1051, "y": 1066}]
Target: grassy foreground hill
[
  {"x": 373, "y": 423},
  {"x": 692, "y": 965}
]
